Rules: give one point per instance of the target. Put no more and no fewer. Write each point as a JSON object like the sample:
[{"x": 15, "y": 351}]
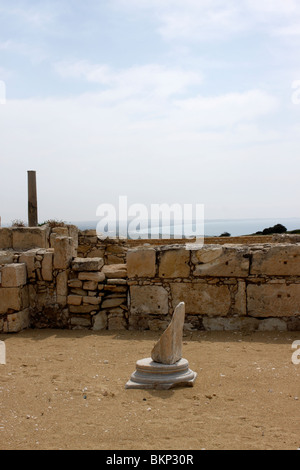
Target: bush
[
  {"x": 271, "y": 230},
  {"x": 18, "y": 223},
  {"x": 53, "y": 223},
  {"x": 225, "y": 234}
]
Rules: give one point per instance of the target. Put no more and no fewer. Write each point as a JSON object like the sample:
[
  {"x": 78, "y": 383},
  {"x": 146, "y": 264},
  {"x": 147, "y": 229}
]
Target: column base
[{"x": 153, "y": 375}]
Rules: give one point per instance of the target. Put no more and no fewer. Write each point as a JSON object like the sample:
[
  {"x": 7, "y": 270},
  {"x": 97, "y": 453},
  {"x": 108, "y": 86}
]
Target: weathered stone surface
[
  {"x": 63, "y": 252},
  {"x": 240, "y": 303},
  {"x": 6, "y": 257},
  {"x": 80, "y": 322},
  {"x": 61, "y": 231},
  {"x": 221, "y": 261},
  {"x": 74, "y": 300},
  {"x": 47, "y": 266},
  {"x": 17, "y": 322},
  {"x": 96, "y": 253},
  {"x": 148, "y": 300},
  {"x": 75, "y": 283},
  {"x": 29, "y": 259},
  {"x": 91, "y": 300},
  {"x": 27, "y": 238},
  {"x": 10, "y": 299},
  {"x": 141, "y": 263},
  {"x": 100, "y": 321},
  {"x": 273, "y": 324},
  {"x": 62, "y": 283},
  {"x": 202, "y": 299},
  {"x": 94, "y": 276},
  {"x": 174, "y": 263},
  {"x": 115, "y": 271},
  {"x": 83, "y": 308},
  {"x": 5, "y": 239},
  {"x": 230, "y": 324},
  {"x": 114, "y": 302},
  {"x": 13, "y": 275},
  {"x": 87, "y": 264},
  {"x": 90, "y": 285},
  {"x": 116, "y": 323},
  {"x": 280, "y": 260},
  {"x": 273, "y": 300},
  {"x": 168, "y": 349},
  {"x": 117, "y": 282}
]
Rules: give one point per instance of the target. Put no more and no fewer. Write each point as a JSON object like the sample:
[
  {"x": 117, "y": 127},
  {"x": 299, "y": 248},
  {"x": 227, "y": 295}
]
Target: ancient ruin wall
[{"x": 231, "y": 287}]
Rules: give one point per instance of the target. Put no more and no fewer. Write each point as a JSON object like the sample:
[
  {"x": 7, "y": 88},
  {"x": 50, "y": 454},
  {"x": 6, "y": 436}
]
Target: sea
[{"x": 212, "y": 228}]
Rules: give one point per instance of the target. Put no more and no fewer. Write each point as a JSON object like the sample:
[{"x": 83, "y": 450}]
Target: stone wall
[
  {"x": 105, "y": 284},
  {"x": 229, "y": 287}
]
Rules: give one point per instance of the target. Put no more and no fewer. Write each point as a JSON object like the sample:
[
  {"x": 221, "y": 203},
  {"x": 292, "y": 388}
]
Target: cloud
[
  {"x": 153, "y": 79},
  {"x": 193, "y": 20}
]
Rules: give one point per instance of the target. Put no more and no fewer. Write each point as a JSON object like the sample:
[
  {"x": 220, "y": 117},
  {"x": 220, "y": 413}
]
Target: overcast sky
[{"x": 164, "y": 101}]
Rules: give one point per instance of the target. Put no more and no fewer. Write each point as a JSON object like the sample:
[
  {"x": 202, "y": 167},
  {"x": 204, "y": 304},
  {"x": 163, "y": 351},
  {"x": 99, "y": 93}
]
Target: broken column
[{"x": 165, "y": 368}]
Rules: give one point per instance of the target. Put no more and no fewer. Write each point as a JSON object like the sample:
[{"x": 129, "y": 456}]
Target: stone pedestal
[{"x": 154, "y": 375}]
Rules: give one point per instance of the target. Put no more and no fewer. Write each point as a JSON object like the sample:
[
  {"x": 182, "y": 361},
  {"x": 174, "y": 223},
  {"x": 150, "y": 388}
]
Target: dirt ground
[{"x": 65, "y": 390}]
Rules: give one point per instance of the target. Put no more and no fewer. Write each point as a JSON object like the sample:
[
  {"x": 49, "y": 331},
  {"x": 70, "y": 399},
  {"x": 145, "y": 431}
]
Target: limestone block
[
  {"x": 6, "y": 257},
  {"x": 202, "y": 299},
  {"x": 6, "y": 241},
  {"x": 141, "y": 263},
  {"x": 273, "y": 300},
  {"x": 91, "y": 300},
  {"x": 117, "y": 282},
  {"x": 28, "y": 257},
  {"x": 73, "y": 233},
  {"x": 19, "y": 321},
  {"x": 240, "y": 302},
  {"x": 94, "y": 276},
  {"x": 174, "y": 263},
  {"x": 47, "y": 266},
  {"x": 27, "y": 238},
  {"x": 10, "y": 299},
  {"x": 116, "y": 323},
  {"x": 74, "y": 300},
  {"x": 80, "y": 322},
  {"x": 273, "y": 324},
  {"x": 75, "y": 283},
  {"x": 62, "y": 283},
  {"x": 87, "y": 264},
  {"x": 148, "y": 300},
  {"x": 13, "y": 275},
  {"x": 111, "y": 303},
  {"x": 61, "y": 231},
  {"x": 96, "y": 253},
  {"x": 83, "y": 309},
  {"x": 221, "y": 261},
  {"x": 280, "y": 260},
  {"x": 90, "y": 285},
  {"x": 115, "y": 271},
  {"x": 63, "y": 250},
  {"x": 230, "y": 324},
  {"x": 100, "y": 321}
]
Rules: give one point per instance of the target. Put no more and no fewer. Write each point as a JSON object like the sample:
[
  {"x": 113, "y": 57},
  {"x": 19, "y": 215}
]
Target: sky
[{"x": 162, "y": 101}]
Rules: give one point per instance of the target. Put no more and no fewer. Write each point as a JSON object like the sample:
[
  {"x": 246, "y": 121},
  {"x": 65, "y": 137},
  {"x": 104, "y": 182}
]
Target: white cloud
[
  {"x": 151, "y": 79},
  {"x": 204, "y": 20}
]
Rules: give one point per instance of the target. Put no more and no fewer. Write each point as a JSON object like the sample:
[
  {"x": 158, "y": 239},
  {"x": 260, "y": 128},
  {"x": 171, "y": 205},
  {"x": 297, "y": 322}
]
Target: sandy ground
[{"x": 65, "y": 390}]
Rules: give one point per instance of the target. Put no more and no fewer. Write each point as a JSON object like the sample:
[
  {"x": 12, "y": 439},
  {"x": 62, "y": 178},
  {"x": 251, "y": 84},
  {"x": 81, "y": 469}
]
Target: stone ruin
[
  {"x": 165, "y": 368},
  {"x": 63, "y": 278}
]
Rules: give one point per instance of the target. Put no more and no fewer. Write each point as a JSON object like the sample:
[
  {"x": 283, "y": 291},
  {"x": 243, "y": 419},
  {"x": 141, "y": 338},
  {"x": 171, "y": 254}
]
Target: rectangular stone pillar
[{"x": 32, "y": 200}]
